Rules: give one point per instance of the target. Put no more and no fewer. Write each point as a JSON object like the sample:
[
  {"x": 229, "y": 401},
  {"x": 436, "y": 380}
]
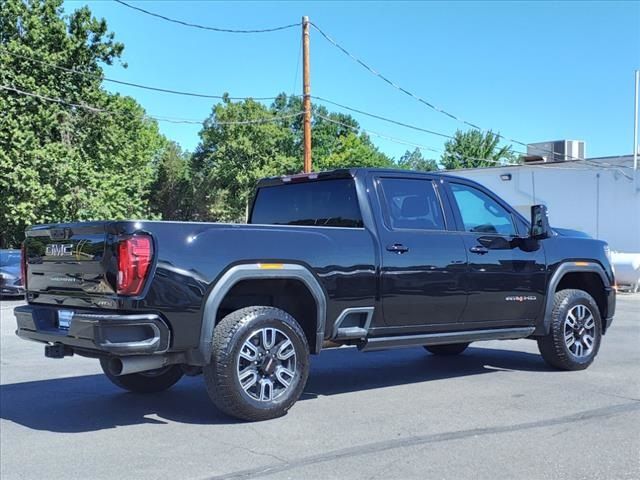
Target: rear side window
[
  {"x": 412, "y": 204},
  {"x": 9, "y": 257},
  {"x": 325, "y": 203},
  {"x": 481, "y": 213}
]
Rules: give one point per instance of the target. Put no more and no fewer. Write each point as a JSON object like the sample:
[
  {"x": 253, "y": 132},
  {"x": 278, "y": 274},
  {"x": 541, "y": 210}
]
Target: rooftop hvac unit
[{"x": 557, "y": 151}]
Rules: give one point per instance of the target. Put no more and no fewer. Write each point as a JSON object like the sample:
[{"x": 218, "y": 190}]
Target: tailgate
[{"x": 68, "y": 263}]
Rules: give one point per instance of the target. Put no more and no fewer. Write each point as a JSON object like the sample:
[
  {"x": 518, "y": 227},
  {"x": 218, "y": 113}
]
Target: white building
[{"x": 599, "y": 196}]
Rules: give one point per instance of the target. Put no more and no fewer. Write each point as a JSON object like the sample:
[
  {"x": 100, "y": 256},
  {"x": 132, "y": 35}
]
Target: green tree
[
  {"x": 61, "y": 162},
  {"x": 171, "y": 193},
  {"x": 415, "y": 161},
  {"x": 336, "y": 138},
  {"x": 473, "y": 149},
  {"x": 231, "y": 158}
]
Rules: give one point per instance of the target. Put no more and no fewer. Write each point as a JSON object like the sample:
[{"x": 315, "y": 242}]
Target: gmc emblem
[{"x": 59, "y": 249}]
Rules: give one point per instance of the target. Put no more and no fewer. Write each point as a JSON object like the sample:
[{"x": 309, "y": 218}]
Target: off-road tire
[
  {"x": 553, "y": 348},
  {"x": 221, "y": 374},
  {"x": 145, "y": 382},
  {"x": 447, "y": 350}
]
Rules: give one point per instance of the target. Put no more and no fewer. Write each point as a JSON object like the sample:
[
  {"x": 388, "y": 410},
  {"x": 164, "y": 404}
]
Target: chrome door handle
[
  {"x": 397, "y": 248},
  {"x": 479, "y": 249}
]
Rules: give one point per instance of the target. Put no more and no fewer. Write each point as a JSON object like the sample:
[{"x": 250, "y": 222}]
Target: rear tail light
[
  {"x": 23, "y": 264},
  {"x": 134, "y": 262}
]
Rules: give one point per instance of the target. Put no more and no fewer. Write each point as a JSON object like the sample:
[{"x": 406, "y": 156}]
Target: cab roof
[{"x": 340, "y": 173}]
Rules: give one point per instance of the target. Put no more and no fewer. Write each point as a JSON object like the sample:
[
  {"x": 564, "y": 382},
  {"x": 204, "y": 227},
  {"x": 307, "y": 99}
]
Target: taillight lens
[
  {"x": 134, "y": 261},
  {"x": 23, "y": 264}
]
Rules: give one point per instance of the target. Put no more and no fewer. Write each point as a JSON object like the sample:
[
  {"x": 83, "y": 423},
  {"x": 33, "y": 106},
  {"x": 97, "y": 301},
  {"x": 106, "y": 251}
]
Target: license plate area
[{"x": 64, "y": 319}]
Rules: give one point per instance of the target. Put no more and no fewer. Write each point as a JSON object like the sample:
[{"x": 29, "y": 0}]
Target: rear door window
[
  {"x": 324, "y": 203},
  {"x": 412, "y": 204}
]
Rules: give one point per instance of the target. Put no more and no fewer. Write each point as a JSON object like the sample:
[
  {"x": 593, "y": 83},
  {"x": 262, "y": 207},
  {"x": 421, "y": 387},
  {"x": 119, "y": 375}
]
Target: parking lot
[{"x": 494, "y": 412}]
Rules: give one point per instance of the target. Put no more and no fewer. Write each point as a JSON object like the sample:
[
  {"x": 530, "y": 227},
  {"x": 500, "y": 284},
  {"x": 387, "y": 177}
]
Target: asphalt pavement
[{"x": 495, "y": 412}]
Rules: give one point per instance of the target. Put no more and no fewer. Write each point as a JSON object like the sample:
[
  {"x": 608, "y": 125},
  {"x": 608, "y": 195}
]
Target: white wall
[{"x": 601, "y": 202}]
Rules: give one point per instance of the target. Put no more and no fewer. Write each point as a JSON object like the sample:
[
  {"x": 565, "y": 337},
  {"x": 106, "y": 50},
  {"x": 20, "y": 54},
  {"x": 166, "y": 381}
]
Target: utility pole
[
  {"x": 306, "y": 90},
  {"x": 635, "y": 127}
]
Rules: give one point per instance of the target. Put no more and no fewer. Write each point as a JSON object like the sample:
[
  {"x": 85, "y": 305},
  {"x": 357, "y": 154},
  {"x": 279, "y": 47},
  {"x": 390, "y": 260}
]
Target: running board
[
  {"x": 380, "y": 343},
  {"x": 351, "y": 333}
]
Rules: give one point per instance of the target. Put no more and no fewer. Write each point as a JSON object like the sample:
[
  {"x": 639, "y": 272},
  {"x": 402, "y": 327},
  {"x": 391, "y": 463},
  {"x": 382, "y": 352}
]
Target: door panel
[
  {"x": 506, "y": 283},
  {"x": 423, "y": 263},
  {"x": 506, "y": 273}
]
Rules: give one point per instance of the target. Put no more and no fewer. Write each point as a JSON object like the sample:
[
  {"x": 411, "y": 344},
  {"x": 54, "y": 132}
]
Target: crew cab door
[
  {"x": 423, "y": 260},
  {"x": 506, "y": 271}
]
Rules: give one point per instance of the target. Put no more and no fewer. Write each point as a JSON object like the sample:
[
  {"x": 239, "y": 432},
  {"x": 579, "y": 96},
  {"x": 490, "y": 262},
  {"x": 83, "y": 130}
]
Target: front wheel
[
  {"x": 449, "y": 349},
  {"x": 259, "y": 365},
  {"x": 144, "y": 382},
  {"x": 574, "y": 338}
]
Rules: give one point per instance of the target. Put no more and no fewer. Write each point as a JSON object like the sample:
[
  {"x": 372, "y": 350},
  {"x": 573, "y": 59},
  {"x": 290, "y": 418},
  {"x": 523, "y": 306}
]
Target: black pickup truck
[{"x": 367, "y": 257}]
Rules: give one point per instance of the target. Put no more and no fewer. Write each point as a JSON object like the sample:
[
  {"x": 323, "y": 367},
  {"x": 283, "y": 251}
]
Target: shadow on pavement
[
  {"x": 91, "y": 402},
  {"x": 346, "y": 370}
]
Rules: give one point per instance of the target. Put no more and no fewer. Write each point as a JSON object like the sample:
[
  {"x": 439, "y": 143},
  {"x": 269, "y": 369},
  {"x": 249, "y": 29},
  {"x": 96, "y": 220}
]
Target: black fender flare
[
  {"x": 258, "y": 271},
  {"x": 567, "y": 267}
]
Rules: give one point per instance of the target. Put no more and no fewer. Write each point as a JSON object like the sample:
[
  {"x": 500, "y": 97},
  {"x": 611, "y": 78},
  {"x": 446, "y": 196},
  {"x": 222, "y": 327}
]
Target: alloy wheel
[
  {"x": 580, "y": 331},
  {"x": 266, "y": 364}
]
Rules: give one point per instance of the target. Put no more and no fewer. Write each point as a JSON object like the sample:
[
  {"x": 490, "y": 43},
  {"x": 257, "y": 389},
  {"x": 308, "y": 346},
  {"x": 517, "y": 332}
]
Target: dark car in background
[{"x": 10, "y": 274}]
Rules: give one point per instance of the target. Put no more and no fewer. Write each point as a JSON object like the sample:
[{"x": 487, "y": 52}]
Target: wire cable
[
  {"x": 416, "y": 145},
  {"x": 390, "y": 82},
  {"x": 295, "y": 77},
  {"x": 498, "y": 163},
  {"x": 153, "y": 117},
  {"x": 220, "y": 97},
  {"x": 130, "y": 84},
  {"x": 422, "y": 100},
  {"x": 377, "y": 134},
  {"x": 284, "y": 117},
  {"x": 205, "y": 27},
  {"x": 380, "y": 117}
]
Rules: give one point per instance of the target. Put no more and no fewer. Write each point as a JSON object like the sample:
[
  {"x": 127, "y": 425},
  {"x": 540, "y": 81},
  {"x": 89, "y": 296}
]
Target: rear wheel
[
  {"x": 450, "y": 349},
  {"x": 260, "y": 363},
  {"x": 573, "y": 340},
  {"x": 144, "y": 382}
]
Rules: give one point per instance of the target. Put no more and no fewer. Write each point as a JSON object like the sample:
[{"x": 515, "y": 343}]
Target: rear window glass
[{"x": 326, "y": 203}]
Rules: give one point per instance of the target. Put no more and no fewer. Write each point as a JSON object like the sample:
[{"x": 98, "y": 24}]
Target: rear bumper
[{"x": 97, "y": 332}]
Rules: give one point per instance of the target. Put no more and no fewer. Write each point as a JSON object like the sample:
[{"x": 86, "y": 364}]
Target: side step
[
  {"x": 351, "y": 333},
  {"x": 380, "y": 343}
]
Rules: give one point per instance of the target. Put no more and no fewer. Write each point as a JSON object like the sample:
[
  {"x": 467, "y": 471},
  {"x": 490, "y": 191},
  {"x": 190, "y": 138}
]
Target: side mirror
[{"x": 540, "y": 228}]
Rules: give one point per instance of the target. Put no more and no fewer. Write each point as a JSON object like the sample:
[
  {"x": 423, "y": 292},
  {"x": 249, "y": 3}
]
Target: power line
[
  {"x": 295, "y": 77},
  {"x": 385, "y": 119},
  {"x": 276, "y": 119},
  {"x": 499, "y": 163},
  {"x": 202, "y": 95},
  {"x": 390, "y": 82},
  {"x": 219, "y": 97},
  {"x": 205, "y": 27},
  {"x": 199, "y": 122},
  {"x": 55, "y": 100},
  {"x": 131, "y": 84},
  {"x": 418, "y": 98},
  {"x": 411, "y": 144},
  {"x": 154, "y": 117},
  {"x": 377, "y": 134}
]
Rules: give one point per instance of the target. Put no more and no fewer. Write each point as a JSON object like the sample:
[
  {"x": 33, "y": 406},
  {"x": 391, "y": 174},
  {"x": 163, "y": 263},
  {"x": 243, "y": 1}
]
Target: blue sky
[{"x": 533, "y": 71}]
